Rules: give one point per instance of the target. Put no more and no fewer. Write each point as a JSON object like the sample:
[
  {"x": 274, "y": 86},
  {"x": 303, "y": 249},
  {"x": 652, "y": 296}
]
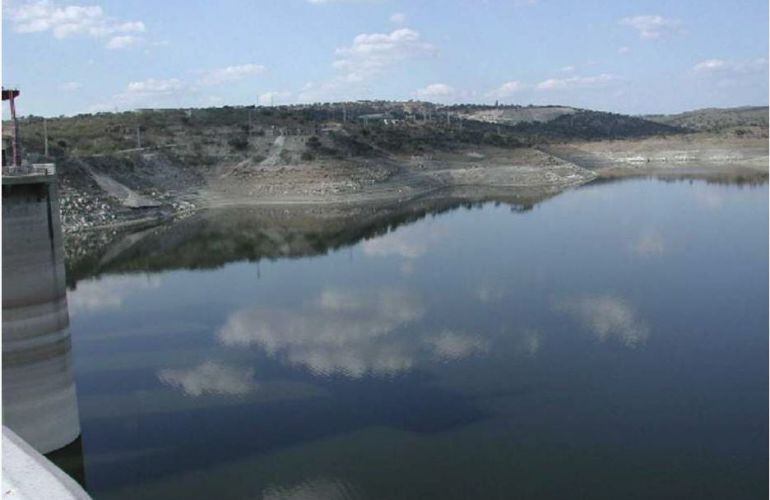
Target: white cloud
[
  {"x": 326, "y": 90},
  {"x": 624, "y": 50},
  {"x": 210, "y": 378},
  {"x": 731, "y": 74},
  {"x": 652, "y": 26},
  {"x": 71, "y": 86},
  {"x": 70, "y": 20},
  {"x": 398, "y": 18},
  {"x": 710, "y": 65},
  {"x": 371, "y": 54},
  {"x": 568, "y": 69},
  {"x": 151, "y": 86},
  {"x": 270, "y": 98},
  {"x": 122, "y": 41},
  {"x": 508, "y": 89},
  {"x": 578, "y": 82},
  {"x": 159, "y": 92},
  {"x": 230, "y": 74},
  {"x": 321, "y": 2},
  {"x": 721, "y": 66},
  {"x": 435, "y": 91},
  {"x": 607, "y": 316},
  {"x": 144, "y": 93}
]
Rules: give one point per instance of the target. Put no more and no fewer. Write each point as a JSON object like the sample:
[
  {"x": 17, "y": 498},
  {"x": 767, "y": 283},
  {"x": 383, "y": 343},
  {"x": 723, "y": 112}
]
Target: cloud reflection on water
[
  {"x": 349, "y": 332},
  {"x": 487, "y": 293},
  {"x": 340, "y": 332},
  {"x": 409, "y": 242},
  {"x": 708, "y": 197},
  {"x": 210, "y": 378},
  {"x": 649, "y": 244},
  {"x": 316, "y": 489},
  {"x": 607, "y": 316},
  {"x": 108, "y": 293},
  {"x": 450, "y": 345}
]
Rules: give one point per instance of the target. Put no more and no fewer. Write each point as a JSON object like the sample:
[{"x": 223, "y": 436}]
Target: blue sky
[{"x": 634, "y": 57}]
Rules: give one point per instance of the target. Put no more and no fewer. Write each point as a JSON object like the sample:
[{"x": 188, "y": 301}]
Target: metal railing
[{"x": 35, "y": 169}]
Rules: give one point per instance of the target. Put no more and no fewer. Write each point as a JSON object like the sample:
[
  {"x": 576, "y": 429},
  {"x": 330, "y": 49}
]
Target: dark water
[{"x": 611, "y": 342}]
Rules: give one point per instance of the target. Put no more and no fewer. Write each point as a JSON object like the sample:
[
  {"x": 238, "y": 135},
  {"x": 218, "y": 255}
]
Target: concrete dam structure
[{"x": 39, "y": 398}]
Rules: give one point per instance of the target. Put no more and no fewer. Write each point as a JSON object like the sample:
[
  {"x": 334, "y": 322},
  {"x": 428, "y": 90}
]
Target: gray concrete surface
[
  {"x": 28, "y": 475},
  {"x": 39, "y": 399}
]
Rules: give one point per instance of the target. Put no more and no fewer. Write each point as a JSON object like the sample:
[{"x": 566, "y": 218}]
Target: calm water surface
[{"x": 609, "y": 343}]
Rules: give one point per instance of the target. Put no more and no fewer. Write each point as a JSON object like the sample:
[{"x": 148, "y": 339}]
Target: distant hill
[
  {"x": 716, "y": 119},
  {"x": 338, "y": 130},
  {"x": 559, "y": 123},
  {"x": 592, "y": 125},
  {"x": 512, "y": 115}
]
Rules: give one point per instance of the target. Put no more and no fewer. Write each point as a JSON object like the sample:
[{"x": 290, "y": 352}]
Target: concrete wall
[
  {"x": 39, "y": 400},
  {"x": 28, "y": 475}
]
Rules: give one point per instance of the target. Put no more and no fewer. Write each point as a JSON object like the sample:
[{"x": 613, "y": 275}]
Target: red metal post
[
  {"x": 10, "y": 95},
  {"x": 16, "y": 148}
]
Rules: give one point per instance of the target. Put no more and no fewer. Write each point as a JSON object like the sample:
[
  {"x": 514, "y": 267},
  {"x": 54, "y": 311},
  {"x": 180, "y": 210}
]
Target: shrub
[
  {"x": 238, "y": 143},
  {"x": 313, "y": 142}
]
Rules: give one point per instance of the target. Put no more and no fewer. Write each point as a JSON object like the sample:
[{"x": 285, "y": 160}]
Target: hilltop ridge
[
  {"x": 352, "y": 128},
  {"x": 743, "y": 120}
]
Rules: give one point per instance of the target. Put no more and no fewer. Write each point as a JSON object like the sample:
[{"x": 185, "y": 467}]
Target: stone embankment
[{"x": 112, "y": 193}]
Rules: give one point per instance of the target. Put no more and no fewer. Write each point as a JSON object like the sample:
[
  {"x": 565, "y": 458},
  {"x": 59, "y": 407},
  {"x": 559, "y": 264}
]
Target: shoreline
[{"x": 373, "y": 182}]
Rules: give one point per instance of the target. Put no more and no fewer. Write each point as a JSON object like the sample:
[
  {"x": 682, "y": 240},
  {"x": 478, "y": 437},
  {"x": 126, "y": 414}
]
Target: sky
[{"x": 635, "y": 57}]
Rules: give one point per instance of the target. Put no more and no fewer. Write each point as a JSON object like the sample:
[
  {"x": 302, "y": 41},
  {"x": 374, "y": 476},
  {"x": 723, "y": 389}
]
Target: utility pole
[
  {"x": 45, "y": 137},
  {"x": 250, "y": 121},
  {"x": 138, "y": 138},
  {"x": 344, "y": 113}
]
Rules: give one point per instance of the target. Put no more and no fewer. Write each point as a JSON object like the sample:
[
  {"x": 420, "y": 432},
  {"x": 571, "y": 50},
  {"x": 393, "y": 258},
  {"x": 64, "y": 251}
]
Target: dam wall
[{"x": 39, "y": 398}]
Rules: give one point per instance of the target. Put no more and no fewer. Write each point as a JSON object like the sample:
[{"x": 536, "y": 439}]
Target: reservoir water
[{"x": 609, "y": 342}]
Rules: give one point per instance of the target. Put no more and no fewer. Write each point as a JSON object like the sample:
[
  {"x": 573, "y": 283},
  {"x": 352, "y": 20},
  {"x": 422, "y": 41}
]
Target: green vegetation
[
  {"x": 741, "y": 121},
  {"x": 332, "y": 130}
]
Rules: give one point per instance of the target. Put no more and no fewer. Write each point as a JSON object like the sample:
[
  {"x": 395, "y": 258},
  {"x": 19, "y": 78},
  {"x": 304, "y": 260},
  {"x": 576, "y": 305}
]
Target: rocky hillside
[
  {"x": 207, "y": 136},
  {"x": 718, "y": 119},
  {"x": 131, "y": 167}
]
